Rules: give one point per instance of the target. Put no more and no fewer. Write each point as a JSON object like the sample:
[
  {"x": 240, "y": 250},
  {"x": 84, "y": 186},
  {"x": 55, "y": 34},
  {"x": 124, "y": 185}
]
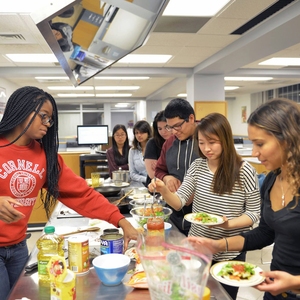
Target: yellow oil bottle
[{"x": 49, "y": 245}]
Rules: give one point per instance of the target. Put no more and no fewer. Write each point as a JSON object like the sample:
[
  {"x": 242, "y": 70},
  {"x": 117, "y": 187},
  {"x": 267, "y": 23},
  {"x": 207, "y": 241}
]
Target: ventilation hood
[{"x": 89, "y": 36}]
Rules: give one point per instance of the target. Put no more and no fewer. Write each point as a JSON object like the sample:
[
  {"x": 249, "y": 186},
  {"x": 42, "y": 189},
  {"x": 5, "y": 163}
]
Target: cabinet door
[
  {"x": 203, "y": 108},
  {"x": 38, "y": 215}
]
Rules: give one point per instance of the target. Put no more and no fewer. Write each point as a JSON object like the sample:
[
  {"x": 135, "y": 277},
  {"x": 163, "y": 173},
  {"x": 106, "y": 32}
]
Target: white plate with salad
[
  {"x": 203, "y": 218},
  {"x": 237, "y": 273}
]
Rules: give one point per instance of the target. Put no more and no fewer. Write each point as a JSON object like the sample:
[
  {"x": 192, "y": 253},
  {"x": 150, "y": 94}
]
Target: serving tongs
[{"x": 155, "y": 200}]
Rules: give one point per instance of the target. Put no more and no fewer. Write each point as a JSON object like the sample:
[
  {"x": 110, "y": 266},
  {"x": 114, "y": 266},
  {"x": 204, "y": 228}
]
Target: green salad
[{"x": 204, "y": 218}]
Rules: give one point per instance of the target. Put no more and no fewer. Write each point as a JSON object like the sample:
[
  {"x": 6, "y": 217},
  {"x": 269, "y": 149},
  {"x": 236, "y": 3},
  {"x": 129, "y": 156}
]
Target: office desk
[{"x": 98, "y": 159}]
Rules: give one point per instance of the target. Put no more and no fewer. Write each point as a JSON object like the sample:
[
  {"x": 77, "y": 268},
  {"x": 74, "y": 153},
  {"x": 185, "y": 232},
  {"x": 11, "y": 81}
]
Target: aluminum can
[
  {"x": 111, "y": 243},
  {"x": 78, "y": 250}
]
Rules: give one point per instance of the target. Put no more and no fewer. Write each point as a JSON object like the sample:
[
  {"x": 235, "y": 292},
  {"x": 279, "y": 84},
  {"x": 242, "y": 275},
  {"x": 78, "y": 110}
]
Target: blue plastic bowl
[{"x": 111, "y": 268}]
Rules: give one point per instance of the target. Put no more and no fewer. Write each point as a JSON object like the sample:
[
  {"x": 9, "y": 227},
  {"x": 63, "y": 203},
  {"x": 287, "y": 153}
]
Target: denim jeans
[
  {"x": 283, "y": 296},
  {"x": 12, "y": 262}
]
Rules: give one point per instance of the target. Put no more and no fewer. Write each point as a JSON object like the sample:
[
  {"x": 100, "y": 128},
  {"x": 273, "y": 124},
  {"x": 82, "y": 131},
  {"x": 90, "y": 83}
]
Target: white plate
[
  {"x": 253, "y": 280},
  {"x": 123, "y": 184},
  {"x": 190, "y": 217}
]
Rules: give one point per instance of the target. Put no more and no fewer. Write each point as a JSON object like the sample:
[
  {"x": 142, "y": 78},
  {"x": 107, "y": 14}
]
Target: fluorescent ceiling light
[
  {"x": 247, "y": 78},
  {"x": 75, "y": 95},
  {"x": 113, "y": 95},
  {"x": 194, "y": 8},
  {"x": 231, "y": 88},
  {"x": 226, "y": 88},
  {"x": 145, "y": 58},
  {"x": 71, "y": 88},
  {"x": 51, "y": 78},
  {"x": 122, "y": 78},
  {"x": 121, "y": 105},
  {"x": 116, "y": 88},
  {"x": 281, "y": 61},
  {"x": 33, "y": 58}
]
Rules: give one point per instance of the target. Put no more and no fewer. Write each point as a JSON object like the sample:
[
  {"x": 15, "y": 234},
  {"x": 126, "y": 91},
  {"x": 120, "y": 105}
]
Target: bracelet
[{"x": 226, "y": 244}]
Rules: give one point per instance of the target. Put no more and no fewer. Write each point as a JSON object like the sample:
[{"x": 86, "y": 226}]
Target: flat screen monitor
[
  {"x": 89, "y": 36},
  {"x": 92, "y": 135}
]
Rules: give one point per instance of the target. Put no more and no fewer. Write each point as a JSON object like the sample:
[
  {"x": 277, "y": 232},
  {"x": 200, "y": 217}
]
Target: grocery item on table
[
  {"x": 49, "y": 245},
  {"x": 78, "y": 250},
  {"x": 62, "y": 280}
]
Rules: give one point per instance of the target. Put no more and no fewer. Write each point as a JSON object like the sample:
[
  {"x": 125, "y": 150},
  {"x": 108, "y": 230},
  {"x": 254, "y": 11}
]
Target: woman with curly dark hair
[{"x": 274, "y": 130}]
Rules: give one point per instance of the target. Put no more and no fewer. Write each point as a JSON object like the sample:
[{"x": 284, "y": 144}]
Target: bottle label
[{"x": 42, "y": 267}]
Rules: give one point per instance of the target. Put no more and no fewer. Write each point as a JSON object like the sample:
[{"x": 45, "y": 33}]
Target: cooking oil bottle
[{"x": 49, "y": 244}]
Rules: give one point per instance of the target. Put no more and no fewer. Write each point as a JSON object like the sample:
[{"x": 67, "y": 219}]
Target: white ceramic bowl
[{"x": 111, "y": 268}]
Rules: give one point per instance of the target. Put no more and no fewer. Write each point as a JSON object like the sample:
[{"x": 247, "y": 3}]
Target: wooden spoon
[
  {"x": 83, "y": 230},
  {"x": 117, "y": 202}
]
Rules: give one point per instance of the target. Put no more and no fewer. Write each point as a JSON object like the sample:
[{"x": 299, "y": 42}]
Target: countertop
[{"x": 88, "y": 286}]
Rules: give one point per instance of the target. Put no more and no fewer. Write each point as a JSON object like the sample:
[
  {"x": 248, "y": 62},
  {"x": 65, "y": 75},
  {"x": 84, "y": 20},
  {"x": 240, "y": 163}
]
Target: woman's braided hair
[{"x": 19, "y": 106}]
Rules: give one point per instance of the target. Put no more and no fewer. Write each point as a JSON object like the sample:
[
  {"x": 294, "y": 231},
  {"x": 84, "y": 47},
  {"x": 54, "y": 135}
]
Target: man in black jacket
[{"x": 177, "y": 154}]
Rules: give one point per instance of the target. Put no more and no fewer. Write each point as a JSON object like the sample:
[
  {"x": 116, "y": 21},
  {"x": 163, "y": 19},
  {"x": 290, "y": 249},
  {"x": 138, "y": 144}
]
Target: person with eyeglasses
[
  {"x": 177, "y": 154},
  {"x": 222, "y": 184},
  {"x": 117, "y": 154},
  {"x": 29, "y": 164},
  {"x": 273, "y": 128},
  {"x": 154, "y": 145}
]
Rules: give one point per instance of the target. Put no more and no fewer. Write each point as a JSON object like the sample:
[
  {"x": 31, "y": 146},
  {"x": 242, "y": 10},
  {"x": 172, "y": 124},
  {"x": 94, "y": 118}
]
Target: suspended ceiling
[{"x": 198, "y": 46}]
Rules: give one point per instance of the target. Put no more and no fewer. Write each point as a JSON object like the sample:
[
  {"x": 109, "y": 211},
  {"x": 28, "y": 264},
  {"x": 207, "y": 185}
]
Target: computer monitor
[{"x": 92, "y": 135}]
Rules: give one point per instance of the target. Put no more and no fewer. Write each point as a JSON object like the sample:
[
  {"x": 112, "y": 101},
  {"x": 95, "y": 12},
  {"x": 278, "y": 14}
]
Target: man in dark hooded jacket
[{"x": 178, "y": 152}]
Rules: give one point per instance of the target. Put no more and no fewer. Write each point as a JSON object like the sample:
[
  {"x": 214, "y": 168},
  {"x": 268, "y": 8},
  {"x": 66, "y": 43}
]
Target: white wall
[
  {"x": 153, "y": 107},
  {"x": 67, "y": 123},
  {"x": 234, "y": 114},
  {"x": 9, "y": 86}
]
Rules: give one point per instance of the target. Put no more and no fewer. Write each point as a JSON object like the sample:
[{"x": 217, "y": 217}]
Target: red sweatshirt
[{"x": 23, "y": 174}]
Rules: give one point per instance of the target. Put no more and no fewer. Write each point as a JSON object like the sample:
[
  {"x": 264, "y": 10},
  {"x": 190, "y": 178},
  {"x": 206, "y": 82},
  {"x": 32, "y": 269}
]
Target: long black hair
[
  {"x": 19, "y": 106},
  {"x": 144, "y": 127},
  {"x": 120, "y": 159},
  {"x": 158, "y": 139}
]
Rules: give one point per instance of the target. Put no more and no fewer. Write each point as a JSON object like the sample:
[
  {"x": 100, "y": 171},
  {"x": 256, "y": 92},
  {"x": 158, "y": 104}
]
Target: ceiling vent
[
  {"x": 12, "y": 38},
  {"x": 276, "y": 7},
  {"x": 16, "y": 38}
]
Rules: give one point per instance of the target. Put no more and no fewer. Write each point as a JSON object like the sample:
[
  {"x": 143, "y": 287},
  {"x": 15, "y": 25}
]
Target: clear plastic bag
[{"x": 175, "y": 271}]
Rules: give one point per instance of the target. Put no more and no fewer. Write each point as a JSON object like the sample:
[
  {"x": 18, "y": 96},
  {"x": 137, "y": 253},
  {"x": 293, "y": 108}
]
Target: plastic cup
[
  {"x": 168, "y": 227},
  {"x": 118, "y": 182},
  {"x": 95, "y": 176}
]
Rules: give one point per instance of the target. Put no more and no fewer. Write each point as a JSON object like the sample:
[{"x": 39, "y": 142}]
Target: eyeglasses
[
  {"x": 176, "y": 126},
  {"x": 119, "y": 135},
  {"x": 46, "y": 119}
]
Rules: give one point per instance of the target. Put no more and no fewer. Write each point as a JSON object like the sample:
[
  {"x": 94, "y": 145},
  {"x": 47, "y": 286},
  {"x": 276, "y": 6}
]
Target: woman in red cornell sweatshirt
[{"x": 29, "y": 162}]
